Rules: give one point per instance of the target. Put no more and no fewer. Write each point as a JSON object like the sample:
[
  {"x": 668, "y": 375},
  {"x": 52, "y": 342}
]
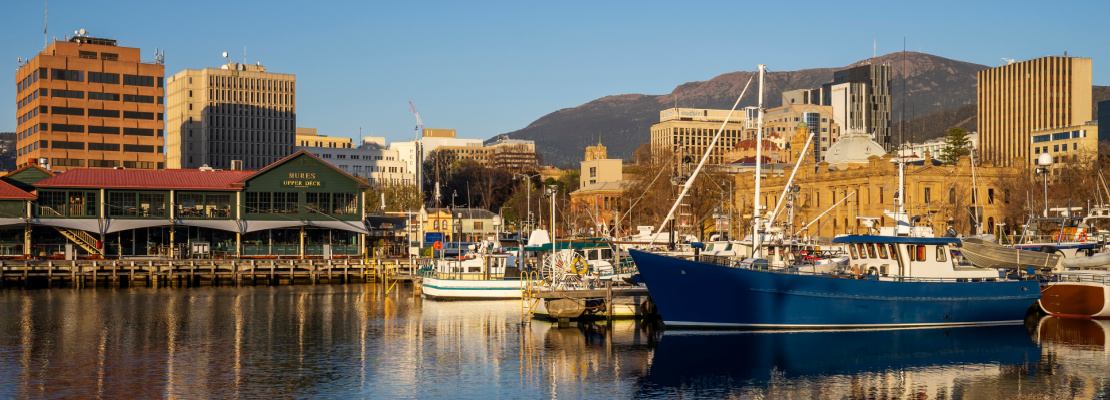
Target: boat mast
[
  {"x": 704, "y": 157},
  {"x": 975, "y": 198},
  {"x": 758, "y": 166}
]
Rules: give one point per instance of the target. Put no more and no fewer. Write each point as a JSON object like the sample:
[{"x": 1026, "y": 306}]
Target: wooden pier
[{"x": 155, "y": 273}]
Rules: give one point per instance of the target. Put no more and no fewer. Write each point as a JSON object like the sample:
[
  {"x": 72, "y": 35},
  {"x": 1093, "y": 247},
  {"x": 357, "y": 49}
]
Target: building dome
[{"x": 854, "y": 147}]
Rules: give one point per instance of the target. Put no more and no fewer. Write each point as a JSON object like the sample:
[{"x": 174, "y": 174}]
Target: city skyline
[{"x": 491, "y": 68}]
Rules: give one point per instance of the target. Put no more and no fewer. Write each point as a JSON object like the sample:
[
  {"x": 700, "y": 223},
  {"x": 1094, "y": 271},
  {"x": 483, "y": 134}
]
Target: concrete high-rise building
[
  {"x": 86, "y": 102},
  {"x": 236, "y": 112},
  {"x": 860, "y": 100},
  {"x": 1017, "y": 99},
  {"x": 867, "y": 102}
]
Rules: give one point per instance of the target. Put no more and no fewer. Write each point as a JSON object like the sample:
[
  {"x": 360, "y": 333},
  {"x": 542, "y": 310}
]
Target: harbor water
[{"x": 360, "y": 341}]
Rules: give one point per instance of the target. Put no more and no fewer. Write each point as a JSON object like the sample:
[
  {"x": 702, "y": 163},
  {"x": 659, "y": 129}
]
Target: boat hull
[
  {"x": 1076, "y": 300},
  {"x": 470, "y": 289},
  {"x": 702, "y": 295}
]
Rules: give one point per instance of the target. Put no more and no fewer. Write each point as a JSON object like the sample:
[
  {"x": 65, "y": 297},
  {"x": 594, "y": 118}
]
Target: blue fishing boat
[{"x": 889, "y": 281}]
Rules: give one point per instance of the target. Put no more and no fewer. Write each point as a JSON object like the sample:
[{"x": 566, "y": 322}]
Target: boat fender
[
  {"x": 873, "y": 271},
  {"x": 855, "y": 270}
]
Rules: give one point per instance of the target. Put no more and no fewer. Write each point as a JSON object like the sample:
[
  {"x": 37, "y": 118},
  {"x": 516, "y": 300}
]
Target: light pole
[
  {"x": 453, "y": 194},
  {"x": 1045, "y": 161},
  {"x": 528, "y": 191},
  {"x": 552, "y": 190}
]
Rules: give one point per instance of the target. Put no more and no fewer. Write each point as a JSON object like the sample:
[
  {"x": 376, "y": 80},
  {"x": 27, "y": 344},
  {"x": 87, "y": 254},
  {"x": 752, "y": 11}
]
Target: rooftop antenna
[
  {"x": 875, "y": 48},
  {"x": 45, "y": 23},
  {"x": 244, "y": 54},
  {"x": 228, "y": 60}
]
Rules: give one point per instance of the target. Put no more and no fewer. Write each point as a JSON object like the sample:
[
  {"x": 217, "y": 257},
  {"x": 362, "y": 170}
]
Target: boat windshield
[{"x": 1099, "y": 223}]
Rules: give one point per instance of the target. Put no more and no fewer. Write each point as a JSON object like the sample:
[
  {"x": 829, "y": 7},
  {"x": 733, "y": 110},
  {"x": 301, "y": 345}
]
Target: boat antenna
[{"x": 708, "y": 151}]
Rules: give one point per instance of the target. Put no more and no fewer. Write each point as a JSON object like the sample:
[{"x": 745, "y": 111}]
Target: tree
[
  {"x": 398, "y": 197},
  {"x": 956, "y": 145}
]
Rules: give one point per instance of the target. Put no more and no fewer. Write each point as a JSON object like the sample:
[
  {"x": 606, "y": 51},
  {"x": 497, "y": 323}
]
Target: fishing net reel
[{"x": 565, "y": 269}]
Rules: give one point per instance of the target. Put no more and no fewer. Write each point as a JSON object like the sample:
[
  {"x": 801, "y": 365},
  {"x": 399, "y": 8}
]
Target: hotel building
[
  {"x": 235, "y": 112},
  {"x": 686, "y": 133},
  {"x": 1018, "y": 99},
  {"x": 86, "y": 102}
]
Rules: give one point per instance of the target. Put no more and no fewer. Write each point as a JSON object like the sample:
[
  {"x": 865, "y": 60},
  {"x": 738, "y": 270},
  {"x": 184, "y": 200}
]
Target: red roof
[
  {"x": 8, "y": 191},
  {"x": 146, "y": 178}
]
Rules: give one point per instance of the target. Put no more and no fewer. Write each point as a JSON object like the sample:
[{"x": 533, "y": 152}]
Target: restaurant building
[{"x": 297, "y": 207}]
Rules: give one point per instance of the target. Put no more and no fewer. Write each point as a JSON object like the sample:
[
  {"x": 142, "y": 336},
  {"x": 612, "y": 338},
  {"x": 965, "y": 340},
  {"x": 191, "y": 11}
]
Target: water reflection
[{"x": 349, "y": 341}]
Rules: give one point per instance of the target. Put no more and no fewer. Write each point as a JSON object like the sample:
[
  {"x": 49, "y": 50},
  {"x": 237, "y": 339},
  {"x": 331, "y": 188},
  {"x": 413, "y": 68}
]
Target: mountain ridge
[{"x": 623, "y": 121}]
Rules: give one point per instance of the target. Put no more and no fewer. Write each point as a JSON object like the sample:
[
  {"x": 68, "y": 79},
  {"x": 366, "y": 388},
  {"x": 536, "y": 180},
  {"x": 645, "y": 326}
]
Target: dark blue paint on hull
[
  {"x": 696, "y": 294},
  {"x": 751, "y": 358}
]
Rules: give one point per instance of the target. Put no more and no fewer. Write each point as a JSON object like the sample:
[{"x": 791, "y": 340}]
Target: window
[
  {"x": 941, "y": 253},
  {"x": 435, "y": 224},
  {"x": 108, "y": 130},
  {"x": 67, "y": 111},
  {"x": 138, "y": 115},
  {"x": 258, "y": 202},
  {"x": 72, "y": 94},
  {"x": 893, "y": 252},
  {"x": 134, "y": 98},
  {"x": 286, "y": 202},
  {"x": 67, "y": 75},
  {"x": 109, "y": 56},
  {"x": 104, "y": 77},
  {"x": 104, "y": 146},
  {"x": 138, "y": 148},
  {"x": 882, "y": 251},
  {"x": 138, "y": 132},
  {"x": 67, "y": 128},
  {"x": 928, "y": 194},
  {"x": 593, "y": 172},
  {"x": 138, "y": 80},
  {"x": 103, "y": 163},
  {"x": 103, "y": 96},
  {"x": 870, "y": 250},
  {"x": 477, "y": 225},
  {"x": 60, "y": 144}
]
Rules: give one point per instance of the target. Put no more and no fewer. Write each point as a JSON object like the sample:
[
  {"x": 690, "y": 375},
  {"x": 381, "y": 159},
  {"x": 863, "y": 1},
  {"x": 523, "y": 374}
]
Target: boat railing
[
  {"x": 738, "y": 263},
  {"x": 1102, "y": 278}
]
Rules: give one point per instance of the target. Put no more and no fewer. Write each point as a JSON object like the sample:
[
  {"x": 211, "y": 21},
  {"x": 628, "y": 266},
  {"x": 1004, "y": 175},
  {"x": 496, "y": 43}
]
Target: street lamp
[
  {"x": 453, "y": 194},
  {"x": 1044, "y": 161}
]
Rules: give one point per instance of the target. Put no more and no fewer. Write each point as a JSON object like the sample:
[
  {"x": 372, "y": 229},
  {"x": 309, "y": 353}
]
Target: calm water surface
[{"x": 351, "y": 341}]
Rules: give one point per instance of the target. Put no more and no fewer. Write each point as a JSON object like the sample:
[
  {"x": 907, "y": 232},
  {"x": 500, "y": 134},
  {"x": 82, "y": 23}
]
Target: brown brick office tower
[{"x": 86, "y": 102}]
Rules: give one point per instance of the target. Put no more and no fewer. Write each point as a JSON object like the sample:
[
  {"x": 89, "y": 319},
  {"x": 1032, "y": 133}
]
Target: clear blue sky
[{"x": 486, "y": 68}]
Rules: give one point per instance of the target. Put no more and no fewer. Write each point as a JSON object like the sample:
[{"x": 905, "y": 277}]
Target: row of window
[
  {"x": 1055, "y": 147},
  {"x": 110, "y": 130},
  {"x": 26, "y": 82},
  {"x": 76, "y": 162},
  {"x": 289, "y": 203},
  {"x": 236, "y": 82},
  {"x": 29, "y": 98},
  {"x": 1082, "y": 133},
  {"x": 129, "y": 148}
]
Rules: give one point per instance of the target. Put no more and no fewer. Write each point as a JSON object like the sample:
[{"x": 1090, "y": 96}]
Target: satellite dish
[
  {"x": 82, "y": 31},
  {"x": 225, "y": 54}
]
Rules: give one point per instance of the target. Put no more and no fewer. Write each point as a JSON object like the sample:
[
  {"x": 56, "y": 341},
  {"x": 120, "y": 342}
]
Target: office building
[
  {"x": 1018, "y": 99},
  {"x": 860, "y": 100},
  {"x": 87, "y": 102},
  {"x": 375, "y": 165},
  {"x": 307, "y": 137},
  {"x": 685, "y": 134},
  {"x": 512, "y": 154},
  {"x": 235, "y": 112}
]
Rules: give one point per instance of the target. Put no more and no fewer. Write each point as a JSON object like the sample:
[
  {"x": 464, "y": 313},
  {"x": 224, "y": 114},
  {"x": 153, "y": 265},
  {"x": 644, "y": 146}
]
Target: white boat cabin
[{"x": 901, "y": 257}]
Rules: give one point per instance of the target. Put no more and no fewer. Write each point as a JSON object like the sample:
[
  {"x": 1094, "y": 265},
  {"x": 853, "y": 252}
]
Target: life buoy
[
  {"x": 1083, "y": 236},
  {"x": 1056, "y": 237},
  {"x": 579, "y": 266}
]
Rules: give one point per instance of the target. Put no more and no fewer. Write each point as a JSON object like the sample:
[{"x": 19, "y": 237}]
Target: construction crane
[{"x": 419, "y": 123}]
